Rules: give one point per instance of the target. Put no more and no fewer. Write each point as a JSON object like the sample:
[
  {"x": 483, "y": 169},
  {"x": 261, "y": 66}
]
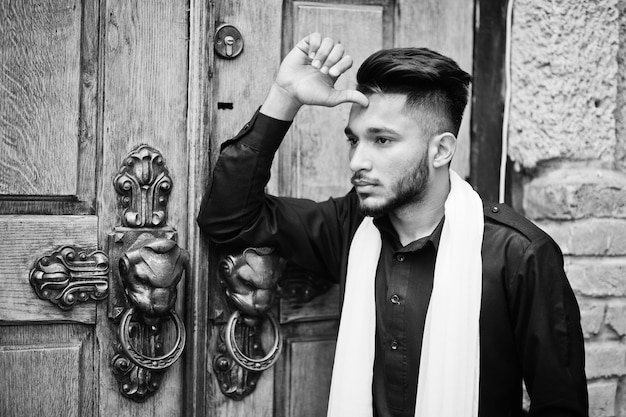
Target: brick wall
[{"x": 568, "y": 143}]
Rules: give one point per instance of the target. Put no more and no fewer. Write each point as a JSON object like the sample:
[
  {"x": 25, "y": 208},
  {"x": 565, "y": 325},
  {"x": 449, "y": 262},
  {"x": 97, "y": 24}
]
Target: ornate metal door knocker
[
  {"x": 147, "y": 264},
  {"x": 150, "y": 271},
  {"x": 250, "y": 280}
]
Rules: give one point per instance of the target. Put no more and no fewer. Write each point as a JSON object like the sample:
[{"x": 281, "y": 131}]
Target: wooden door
[
  {"x": 83, "y": 83},
  {"x": 313, "y": 160}
]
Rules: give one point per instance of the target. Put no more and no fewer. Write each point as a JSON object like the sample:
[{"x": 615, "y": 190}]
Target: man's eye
[
  {"x": 382, "y": 141},
  {"x": 352, "y": 140}
]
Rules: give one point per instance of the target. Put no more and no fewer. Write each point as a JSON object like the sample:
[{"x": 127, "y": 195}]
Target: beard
[{"x": 411, "y": 188}]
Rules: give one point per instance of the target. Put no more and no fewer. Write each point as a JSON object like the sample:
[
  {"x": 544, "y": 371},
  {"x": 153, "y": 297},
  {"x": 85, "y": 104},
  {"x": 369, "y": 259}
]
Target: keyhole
[{"x": 229, "y": 41}]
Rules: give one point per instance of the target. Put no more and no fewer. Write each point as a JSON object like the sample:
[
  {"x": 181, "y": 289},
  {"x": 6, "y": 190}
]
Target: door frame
[
  {"x": 488, "y": 98},
  {"x": 197, "y": 284}
]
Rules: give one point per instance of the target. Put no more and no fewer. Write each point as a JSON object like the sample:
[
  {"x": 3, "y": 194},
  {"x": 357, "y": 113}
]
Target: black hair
[{"x": 432, "y": 83}]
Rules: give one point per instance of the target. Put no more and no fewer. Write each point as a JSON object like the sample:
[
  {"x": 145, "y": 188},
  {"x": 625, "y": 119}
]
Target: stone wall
[{"x": 568, "y": 143}]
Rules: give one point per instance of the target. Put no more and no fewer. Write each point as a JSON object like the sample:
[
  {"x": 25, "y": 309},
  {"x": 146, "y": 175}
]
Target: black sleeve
[
  {"x": 550, "y": 343},
  {"x": 236, "y": 211}
]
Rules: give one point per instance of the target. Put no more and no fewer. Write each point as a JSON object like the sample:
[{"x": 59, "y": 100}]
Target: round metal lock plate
[{"x": 228, "y": 41}]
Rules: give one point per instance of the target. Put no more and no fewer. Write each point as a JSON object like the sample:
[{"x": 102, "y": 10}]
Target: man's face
[{"x": 388, "y": 154}]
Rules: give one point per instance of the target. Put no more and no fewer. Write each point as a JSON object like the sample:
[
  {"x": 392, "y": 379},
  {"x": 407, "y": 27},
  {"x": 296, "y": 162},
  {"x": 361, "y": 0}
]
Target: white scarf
[{"x": 449, "y": 365}]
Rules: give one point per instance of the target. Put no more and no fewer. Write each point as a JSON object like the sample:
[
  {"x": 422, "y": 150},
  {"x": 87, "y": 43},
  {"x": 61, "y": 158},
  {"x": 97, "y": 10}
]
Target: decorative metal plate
[
  {"x": 143, "y": 185},
  {"x": 70, "y": 275}
]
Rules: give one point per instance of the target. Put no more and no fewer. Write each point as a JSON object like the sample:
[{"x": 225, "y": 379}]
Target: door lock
[{"x": 228, "y": 41}]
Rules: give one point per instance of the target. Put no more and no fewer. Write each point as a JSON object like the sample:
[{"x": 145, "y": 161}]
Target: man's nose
[{"x": 359, "y": 159}]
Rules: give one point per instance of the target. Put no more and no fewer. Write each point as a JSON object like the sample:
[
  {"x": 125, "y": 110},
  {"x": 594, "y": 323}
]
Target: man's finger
[
  {"x": 314, "y": 41},
  {"x": 310, "y": 44},
  {"x": 334, "y": 56},
  {"x": 344, "y": 64},
  {"x": 322, "y": 52}
]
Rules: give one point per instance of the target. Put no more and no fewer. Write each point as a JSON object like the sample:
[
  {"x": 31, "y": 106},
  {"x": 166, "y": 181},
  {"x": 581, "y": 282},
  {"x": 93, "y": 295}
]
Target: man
[{"x": 447, "y": 305}]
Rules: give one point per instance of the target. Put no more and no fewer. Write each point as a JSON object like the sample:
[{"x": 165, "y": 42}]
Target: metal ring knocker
[
  {"x": 153, "y": 363},
  {"x": 252, "y": 364}
]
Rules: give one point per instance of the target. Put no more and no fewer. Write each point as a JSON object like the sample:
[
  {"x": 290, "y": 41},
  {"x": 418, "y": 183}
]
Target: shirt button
[
  {"x": 395, "y": 299},
  {"x": 495, "y": 209},
  {"x": 394, "y": 345},
  {"x": 400, "y": 257}
]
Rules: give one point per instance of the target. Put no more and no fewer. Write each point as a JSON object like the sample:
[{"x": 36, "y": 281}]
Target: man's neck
[{"x": 419, "y": 219}]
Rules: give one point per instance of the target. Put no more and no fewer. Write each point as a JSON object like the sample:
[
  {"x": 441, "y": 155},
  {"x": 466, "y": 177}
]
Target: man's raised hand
[{"x": 307, "y": 75}]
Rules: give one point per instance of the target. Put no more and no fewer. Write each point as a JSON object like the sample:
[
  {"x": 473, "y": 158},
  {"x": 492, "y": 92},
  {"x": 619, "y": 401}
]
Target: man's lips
[{"x": 362, "y": 182}]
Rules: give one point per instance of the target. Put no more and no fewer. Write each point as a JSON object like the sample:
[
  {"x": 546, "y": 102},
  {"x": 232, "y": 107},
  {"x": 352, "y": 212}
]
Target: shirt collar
[{"x": 386, "y": 229}]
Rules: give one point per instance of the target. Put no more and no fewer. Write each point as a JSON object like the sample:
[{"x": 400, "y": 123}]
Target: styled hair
[{"x": 433, "y": 83}]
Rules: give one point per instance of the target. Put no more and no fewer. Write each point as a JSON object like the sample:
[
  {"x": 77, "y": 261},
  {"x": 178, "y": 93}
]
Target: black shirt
[
  {"x": 404, "y": 283},
  {"x": 529, "y": 320}
]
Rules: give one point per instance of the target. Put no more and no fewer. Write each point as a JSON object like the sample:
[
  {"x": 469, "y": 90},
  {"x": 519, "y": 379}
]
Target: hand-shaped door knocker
[
  {"x": 250, "y": 279},
  {"x": 150, "y": 270}
]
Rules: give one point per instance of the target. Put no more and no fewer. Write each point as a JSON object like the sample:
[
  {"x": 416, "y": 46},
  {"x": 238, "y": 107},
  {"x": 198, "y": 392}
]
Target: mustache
[{"x": 359, "y": 179}]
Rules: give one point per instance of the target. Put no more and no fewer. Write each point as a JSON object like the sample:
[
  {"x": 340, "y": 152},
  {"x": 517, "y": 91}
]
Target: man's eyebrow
[{"x": 374, "y": 130}]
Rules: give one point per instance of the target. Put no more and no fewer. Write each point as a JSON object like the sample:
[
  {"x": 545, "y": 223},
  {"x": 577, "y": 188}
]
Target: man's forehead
[
  {"x": 385, "y": 112},
  {"x": 385, "y": 99},
  {"x": 379, "y": 104}
]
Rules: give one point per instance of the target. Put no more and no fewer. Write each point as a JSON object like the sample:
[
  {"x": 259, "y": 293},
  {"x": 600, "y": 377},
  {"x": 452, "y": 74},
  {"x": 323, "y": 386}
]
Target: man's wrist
[{"x": 279, "y": 104}]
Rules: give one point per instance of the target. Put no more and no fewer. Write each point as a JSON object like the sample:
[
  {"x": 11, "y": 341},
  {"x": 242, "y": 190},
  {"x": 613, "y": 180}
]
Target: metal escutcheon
[{"x": 228, "y": 41}]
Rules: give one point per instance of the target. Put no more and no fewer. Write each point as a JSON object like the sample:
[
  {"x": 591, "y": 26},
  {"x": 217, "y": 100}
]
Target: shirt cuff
[{"x": 262, "y": 133}]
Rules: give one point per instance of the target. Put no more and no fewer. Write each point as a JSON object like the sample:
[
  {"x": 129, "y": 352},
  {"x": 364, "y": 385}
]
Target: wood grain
[
  {"x": 49, "y": 371},
  {"x": 78, "y": 141},
  {"x": 308, "y": 392},
  {"x": 446, "y": 26},
  {"x": 89, "y": 147},
  {"x": 39, "y": 97},
  {"x": 24, "y": 239},
  {"x": 197, "y": 356},
  {"x": 304, "y": 371},
  {"x": 245, "y": 80},
  {"x": 23, "y": 398}
]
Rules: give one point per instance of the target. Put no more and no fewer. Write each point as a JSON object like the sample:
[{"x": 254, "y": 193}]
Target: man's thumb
[{"x": 349, "y": 96}]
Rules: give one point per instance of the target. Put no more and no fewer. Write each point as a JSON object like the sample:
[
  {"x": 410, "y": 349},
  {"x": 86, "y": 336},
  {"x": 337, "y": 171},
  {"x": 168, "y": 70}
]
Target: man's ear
[{"x": 444, "y": 145}]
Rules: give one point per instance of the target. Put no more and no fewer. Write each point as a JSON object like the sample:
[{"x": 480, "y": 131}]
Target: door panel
[
  {"x": 303, "y": 374},
  {"x": 48, "y": 95},
  {"x": 52, "y": 371},
  {"x": 42, "y": 46}
]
